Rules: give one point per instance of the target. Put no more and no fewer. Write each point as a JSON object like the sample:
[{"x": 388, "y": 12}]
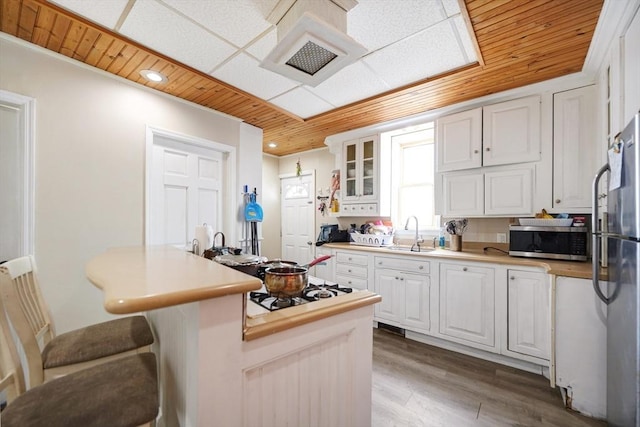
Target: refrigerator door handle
[{"x": 596, "y": 234}]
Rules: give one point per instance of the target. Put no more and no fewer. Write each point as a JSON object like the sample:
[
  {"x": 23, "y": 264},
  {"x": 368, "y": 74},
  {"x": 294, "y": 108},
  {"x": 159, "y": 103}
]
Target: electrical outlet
[{"x": 502, "y": 237}]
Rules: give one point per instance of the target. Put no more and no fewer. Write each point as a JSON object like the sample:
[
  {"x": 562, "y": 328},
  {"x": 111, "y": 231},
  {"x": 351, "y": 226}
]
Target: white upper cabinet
[
  {"x": 505, "y": 191},
  {"x": 462, "y": 194},
  {"x": 574, "y": 148},
  {"x": 509, "y": 192},
  {"x": 360, "y": 176},
  {"x": 361, "y": 164},
  {"x": 498, "y": 134},
  {"x": 511, "y": 132},
  {"x": 460, "y": 140}
]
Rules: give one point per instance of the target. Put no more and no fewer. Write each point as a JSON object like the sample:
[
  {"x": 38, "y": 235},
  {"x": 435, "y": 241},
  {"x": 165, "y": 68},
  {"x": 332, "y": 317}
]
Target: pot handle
[{"x": 317, "y": 260}]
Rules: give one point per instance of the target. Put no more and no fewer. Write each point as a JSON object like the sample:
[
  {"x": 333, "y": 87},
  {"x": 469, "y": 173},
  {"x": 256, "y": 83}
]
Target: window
[{"x": 413, "y": 176}]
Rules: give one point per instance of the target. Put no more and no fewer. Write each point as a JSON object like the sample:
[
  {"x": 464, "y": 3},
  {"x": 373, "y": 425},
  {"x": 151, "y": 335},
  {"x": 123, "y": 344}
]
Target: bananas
[{"x": 543, "y": 215}]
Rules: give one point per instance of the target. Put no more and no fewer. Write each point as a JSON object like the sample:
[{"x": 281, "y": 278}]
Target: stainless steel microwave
[{"x": 564, "y": 243}]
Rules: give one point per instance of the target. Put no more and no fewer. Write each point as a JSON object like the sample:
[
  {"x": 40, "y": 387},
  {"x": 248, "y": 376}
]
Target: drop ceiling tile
[
  {"x": 350, "y": 84},
  {"x": 302, "y": 103},
  {"x": 465, "y": 38},
  {"x": 378, "y": 23},
  {"x": 105, "y": 13},
  {"x": 244, "y": 72},
  {"x": 452, "y": 7},
  {"x": 238, "y": 21},
  {"x": 157, "y": 27},
  {"x": 431, "y": 52},
  {"x": 261, "y": 48}
]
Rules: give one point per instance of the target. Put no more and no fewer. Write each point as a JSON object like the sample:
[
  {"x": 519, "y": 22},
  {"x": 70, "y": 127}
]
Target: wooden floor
[{"x": 415, "y": 384}]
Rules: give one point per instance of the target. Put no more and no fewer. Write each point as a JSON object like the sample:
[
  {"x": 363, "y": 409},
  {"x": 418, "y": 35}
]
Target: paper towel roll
[
  {"x": 202, "y": 236},
  {"x": 209, "y": 241}
]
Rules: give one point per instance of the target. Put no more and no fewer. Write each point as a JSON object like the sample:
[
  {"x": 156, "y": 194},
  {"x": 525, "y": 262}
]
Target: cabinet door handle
[
  {"x": 464, "y": 268},
  {"x": 421, "y": 267},
  {"x": 402, "y": 278},
  {"x": 349, "y": 270},
  {"x": 512, "y": 278},
  {"x": 475, "y": 151},
  {"x": 397, "y": 278},
  {"x": 557, "y": 200},
  {"x": 488, "y": 148},
  {"x": 379, "y": 262}
]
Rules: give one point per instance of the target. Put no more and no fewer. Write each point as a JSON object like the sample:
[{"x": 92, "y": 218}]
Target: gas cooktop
[{"x": 316, "y": 290}]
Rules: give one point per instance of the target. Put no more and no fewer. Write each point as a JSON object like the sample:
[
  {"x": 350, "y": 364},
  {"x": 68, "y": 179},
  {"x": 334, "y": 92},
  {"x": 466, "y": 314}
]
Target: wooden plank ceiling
[{"x": 521, "y": 42}]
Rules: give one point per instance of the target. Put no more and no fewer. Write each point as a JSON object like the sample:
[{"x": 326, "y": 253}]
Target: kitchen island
[{"x": 307, "y": 365}]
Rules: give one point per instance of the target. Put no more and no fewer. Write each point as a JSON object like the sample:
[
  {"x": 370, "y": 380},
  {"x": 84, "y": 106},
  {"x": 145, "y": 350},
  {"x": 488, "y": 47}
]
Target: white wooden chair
[
  {"x": 119, "y": 393},
  {"x": 11, "y": 374},
  {"x": 49, "y": 356}
]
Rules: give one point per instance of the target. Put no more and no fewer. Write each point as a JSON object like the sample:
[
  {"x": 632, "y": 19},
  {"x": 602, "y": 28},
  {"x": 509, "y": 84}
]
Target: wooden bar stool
[
  {"x": 120, "y": 393},
  {"x": 49, "y": 356}
]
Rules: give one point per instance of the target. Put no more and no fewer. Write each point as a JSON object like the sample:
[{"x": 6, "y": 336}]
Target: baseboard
[{"x": 470, "y": 351}]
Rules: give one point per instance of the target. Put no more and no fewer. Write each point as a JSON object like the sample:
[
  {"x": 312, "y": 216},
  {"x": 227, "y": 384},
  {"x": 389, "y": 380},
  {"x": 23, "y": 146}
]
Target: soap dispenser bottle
[{"x": 441, "y": 238}]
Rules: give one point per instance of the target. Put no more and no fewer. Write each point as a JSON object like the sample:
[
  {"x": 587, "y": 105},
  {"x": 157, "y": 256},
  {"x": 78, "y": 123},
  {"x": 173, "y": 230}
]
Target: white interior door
[
  {"x": 16, "y": 175},
  {"x": 298, "y": 214},
  {"x": 186, "y": 187}
]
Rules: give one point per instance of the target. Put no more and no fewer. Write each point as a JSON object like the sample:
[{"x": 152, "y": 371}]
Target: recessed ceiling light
[
  {"x": 153, "y": 76},
  {"x": 272, "y": 145}
]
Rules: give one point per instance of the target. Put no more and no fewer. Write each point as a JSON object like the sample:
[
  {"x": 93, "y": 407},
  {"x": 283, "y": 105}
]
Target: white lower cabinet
[
  {"x": 467, "y": 304},
  {"x": 405, "y": 295},
  {"x": 473, "y": 307},
  {"x": 529, "y": 318},
  {"x": 352, "y": 269}
]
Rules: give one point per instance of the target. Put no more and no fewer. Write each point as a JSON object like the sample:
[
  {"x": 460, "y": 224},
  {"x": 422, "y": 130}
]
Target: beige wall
[
  {"x": 90, "y": 166},
  {"x": 271, "y": 206}
]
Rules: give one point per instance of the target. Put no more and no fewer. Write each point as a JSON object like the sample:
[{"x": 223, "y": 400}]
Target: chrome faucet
[{"x": 416, "y": 244}]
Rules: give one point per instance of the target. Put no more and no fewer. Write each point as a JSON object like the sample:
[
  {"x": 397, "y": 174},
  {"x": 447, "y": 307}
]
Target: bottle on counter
[{"x": 441, "y": 243}]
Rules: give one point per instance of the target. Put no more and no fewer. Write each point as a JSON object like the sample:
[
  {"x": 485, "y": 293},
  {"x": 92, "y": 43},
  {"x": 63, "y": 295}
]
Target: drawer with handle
[
  {"x": 410, "y": 266},
  {"x": 352, "y": 270},
  {"x": 351, "y": 258},
  {"x": 351, "y": 282}
]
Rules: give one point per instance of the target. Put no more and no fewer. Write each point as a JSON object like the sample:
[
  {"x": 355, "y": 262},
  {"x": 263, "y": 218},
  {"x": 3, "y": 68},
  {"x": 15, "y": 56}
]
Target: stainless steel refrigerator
[{"x": 622, "y": 297}]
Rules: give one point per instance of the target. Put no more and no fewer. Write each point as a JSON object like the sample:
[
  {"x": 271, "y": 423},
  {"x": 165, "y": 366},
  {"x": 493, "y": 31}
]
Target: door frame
[
  {"x": 312, "y": 173},
  {"x": 229, "y": 198},
  {"x": 27, "y": 111}
]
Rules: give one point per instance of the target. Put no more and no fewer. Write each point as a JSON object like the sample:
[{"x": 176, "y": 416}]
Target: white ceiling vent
[{"x": 312, "y": 40}]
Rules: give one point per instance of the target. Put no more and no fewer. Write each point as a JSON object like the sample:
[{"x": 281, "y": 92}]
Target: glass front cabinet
[{"x": 360, "y": 176}]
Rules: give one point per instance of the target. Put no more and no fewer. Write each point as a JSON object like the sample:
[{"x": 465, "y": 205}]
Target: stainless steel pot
[
  {"x": 285, "y": 282},
  {"x": 289, "y": 281}
]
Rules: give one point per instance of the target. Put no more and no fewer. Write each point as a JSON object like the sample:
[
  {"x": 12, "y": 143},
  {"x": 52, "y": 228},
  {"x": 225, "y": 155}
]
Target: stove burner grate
[
  {"x": 316, "y": 292},
  {"x": 311, "y": 293}
]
